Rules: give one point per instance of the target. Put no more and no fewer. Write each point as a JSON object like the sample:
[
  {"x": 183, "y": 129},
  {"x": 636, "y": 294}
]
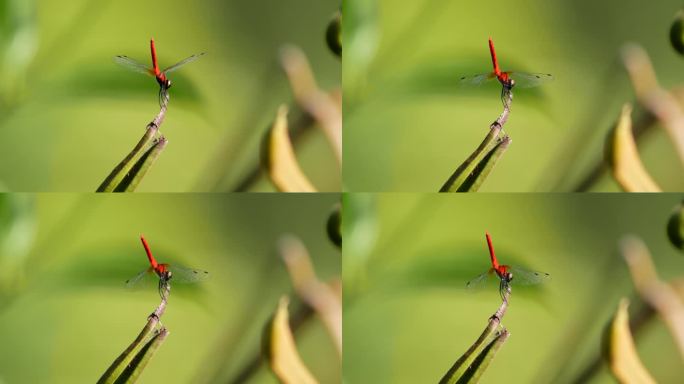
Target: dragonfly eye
[
  {"x": 168, "y": 84},
  {"x": 509, "y": 276},
  {"x": 512, "y": 83}
]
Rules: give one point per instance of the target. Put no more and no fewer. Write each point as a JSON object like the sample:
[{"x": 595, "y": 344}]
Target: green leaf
[
  {"x": 18, "y": 46},
  {"x": 119, "y": 366},
  {"x": 470, "y": 175},
  {"x": 17, "y": 230},
  {"x": 485, "y": 166},
  {"x": 360, "y": 40},
  {"x": 361, "y": 231},
  {"x": 481, "y": 363},
  {"x": 470, "y": 367},
  {"x": 139, "y": 362},
  {"x": 140, "y": 168},
  {"x": 121, "y": 170}
]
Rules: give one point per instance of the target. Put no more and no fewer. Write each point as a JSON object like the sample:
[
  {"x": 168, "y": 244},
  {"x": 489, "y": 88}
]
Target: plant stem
[
  {"x": 465, "y": 361},
  {"x": 464, "y": 171},
  {"x": 122, "y": 169},
  {"x": 119, "y": 365}
]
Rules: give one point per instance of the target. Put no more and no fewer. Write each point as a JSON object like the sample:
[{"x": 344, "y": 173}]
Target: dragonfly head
[
  {"x": 163, "y": 81},
  {"x": 164, "y": 286},
  {"x": 508, "y": 276},
  {"x": 163, "y": 273}
]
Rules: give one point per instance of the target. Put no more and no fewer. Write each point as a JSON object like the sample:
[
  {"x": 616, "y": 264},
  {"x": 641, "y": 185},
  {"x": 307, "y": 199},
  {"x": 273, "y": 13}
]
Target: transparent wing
[
  {"x": 133, "y": 65},
  {"x": 476, "y": 79},
  {"x": 181, "y": 274},
  {"x": 132, "y": 282},
  {"x": 480, "y": 281},
  {"x": 529, "y": 80},
  {"x": 522, "y": 276},
  {"x": 183, "y": 62}
]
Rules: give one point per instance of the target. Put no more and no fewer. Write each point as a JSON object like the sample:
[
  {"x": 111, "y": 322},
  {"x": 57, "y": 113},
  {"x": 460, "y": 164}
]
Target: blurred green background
[
  {"x": 69, "y": 114},
  {"x": 408, "y": 124},
  {"x": 407, "y": 258},
  {"x": 65, "y": 313}
]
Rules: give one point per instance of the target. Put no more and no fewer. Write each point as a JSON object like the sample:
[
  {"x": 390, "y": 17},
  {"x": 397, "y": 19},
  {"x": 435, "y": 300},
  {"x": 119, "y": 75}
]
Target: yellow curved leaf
[
  {"x": 623, "y": 157},
  {"x": 621, "y": 353},
  {"x": 279, "y": 159},
  {"x": 281, "y": 351}
]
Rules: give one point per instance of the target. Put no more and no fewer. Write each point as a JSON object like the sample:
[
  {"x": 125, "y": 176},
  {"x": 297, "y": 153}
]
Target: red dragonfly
[
  {"x": 507, "y": 79},
  {"x": 166, "y": 272},
  {"x": 506, "y": 273},
  {"x": 160, "y": 75}
]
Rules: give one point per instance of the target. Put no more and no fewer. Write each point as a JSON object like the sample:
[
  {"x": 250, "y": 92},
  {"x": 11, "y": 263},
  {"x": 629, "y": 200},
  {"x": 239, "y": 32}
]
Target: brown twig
[
  {"x": 658, "y": 101},
  {"x": 658, "y": 294},
  {"x": 310, "y": 289},
  {"x": 318, "y": 103}
]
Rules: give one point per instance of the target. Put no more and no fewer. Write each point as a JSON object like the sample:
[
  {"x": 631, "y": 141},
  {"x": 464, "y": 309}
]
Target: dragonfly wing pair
[
  {"x": 132, "y": 282},
  {"x": 136, "y": 66},
  {"x": 180, "y": 274},
  {"x": 526, "y": 277},
  {"x": 529, "y": 80},
  {"x": 183, "y": 62},
  {"x": 522, "y": 79},
  {"x": 133, "y": 65}
]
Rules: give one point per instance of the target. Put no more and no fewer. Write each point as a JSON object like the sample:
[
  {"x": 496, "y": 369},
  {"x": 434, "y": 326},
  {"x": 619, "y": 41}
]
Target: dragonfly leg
[
  {"x": 504, "y": 289},
  {"x": 507, "y": 95},
  {"x": 164, "y": 285},
  {"x": 163, "y": 96}
]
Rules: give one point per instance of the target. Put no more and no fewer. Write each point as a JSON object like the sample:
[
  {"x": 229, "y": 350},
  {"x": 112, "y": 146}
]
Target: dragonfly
[
  {"x": 506, "y": 274},
  {"x": 166, "y": 272},
  {"x": 160, "y": 75},
  {"x": 508, "y": 79}
]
